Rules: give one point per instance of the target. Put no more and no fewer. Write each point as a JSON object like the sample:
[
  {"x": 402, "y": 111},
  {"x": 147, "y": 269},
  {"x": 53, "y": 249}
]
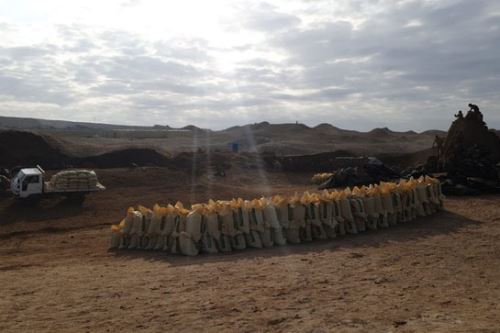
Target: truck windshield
[
  {"x": 33, "y": 179},
  {"x": 18, "y": 177}
]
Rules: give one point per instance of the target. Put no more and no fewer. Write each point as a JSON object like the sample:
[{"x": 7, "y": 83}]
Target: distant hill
[
  {"x": 34, "y": 123},
  {"x": 381, "y": 131},
  {"x": 84, "y": 139},
  {"x": 190, "y": 128},
  {"x": 37, "y": 123},
  {"x": 42, "y": 124}
]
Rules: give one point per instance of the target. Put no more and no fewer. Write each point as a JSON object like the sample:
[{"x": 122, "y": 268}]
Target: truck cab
[{"x": 27, "y": 182}]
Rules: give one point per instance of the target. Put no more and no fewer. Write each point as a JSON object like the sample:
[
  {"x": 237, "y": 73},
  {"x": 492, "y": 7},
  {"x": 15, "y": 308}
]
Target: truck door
[{"x": 31, "y": 185}]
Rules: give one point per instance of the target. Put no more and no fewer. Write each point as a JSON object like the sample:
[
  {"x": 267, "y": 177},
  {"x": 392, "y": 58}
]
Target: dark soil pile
[
  {"x": 405, "y": 160},
  {"x": 28, "y": 149},
  {"x": 140, "y": 157},
  {"x": 370, "y": 173},
  {"x": 323, "y": 162},
  {"x": 125, "y": 158}
]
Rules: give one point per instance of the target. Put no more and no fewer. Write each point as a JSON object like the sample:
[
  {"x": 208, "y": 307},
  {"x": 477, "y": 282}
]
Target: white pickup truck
[{"x": 29, "y": 183}]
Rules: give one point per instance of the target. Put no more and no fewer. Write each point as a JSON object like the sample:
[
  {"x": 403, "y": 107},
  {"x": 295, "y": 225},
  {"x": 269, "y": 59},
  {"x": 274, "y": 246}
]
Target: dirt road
[{"x": 437, "y": 274}]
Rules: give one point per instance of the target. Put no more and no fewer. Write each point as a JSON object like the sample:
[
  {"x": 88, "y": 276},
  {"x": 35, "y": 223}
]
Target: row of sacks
[{"x": 224, "y": 226}]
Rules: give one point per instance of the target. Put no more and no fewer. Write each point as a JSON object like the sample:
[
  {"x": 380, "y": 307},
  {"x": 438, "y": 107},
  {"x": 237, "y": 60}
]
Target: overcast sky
[{"x": 356, "y": 64}]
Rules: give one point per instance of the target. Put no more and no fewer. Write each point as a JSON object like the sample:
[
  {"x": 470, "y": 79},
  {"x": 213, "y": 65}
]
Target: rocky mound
[
  {"x": 470, "y": 155},
  {"x": 470, "y": 132},
  {"x": 29, "y": 149}
]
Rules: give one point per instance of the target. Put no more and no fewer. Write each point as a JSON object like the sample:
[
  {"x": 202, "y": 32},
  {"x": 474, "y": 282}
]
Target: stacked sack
[
  {"x": 226, "y": 226},
  {"x": 74, "y": 180}
]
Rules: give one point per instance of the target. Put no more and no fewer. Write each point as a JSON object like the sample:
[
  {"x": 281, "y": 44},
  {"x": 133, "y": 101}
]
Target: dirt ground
[{"x": 441, "y": 273}]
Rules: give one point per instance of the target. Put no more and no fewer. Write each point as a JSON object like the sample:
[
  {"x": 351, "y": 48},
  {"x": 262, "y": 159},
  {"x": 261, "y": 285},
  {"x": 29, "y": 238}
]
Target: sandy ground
[{"x": 436, "y": 274}]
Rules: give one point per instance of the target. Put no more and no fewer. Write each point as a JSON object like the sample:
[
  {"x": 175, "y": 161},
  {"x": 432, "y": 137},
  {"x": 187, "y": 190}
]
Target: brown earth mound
[
  {"x": 192, "y": 162},
  {"x": 26, "y": 148},
  {"x": 126, "y": 158}
]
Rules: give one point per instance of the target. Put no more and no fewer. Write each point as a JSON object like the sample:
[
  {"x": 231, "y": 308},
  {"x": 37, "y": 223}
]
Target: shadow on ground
[{"x": 29, "y": 211}]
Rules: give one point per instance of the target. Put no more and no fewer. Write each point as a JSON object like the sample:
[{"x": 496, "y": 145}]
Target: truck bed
[{"x": 49, "y": 188}]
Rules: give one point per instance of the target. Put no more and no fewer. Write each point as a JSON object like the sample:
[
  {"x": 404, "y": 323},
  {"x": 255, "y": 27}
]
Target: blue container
[{"x": 234, "y": 147}]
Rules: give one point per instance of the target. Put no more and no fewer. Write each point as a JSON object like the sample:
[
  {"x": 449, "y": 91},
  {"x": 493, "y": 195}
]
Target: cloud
[
  {"x": 450, "y": 61},
  {"x": 130, "y": 3},
  {"x": 358, "y": 64},
  {"x": 267, "y": 18}
]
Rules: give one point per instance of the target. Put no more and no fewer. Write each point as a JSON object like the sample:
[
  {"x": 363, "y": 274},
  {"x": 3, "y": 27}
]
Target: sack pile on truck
[
  {"x": 74, "y": 180},
  {"x": 320, "y": 178},
  {"x": 237, "y": 224}
]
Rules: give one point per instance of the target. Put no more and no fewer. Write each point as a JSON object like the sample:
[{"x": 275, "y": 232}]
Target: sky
[{"x": 406, "y": 65}]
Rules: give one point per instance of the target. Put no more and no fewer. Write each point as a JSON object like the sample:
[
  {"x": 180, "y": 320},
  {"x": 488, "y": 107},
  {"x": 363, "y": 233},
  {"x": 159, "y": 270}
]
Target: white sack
[
  {"x": 208, "y": 244},
  {"x": 187, "y": 245},
  {"x": 224, "y": 243},
  {"x": 283, "y": 217},
  {"x": 212, "y": 225},
  {"x": 358, "y": 211},
  {"x": 270, "y": 217},
  {"x": 253, "y": 239},
  {"x": 345, "y": 209},
  {"x": 266, "y": 237},
  {"x": 116, "y": 239},
  {"x": 256, "y": 220},
  {"x": 193, "y": 225},
  {"x": 242, "y": 220},
  {"x": 278, "y": 237},
  {"x": 238, "y": 242}
]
